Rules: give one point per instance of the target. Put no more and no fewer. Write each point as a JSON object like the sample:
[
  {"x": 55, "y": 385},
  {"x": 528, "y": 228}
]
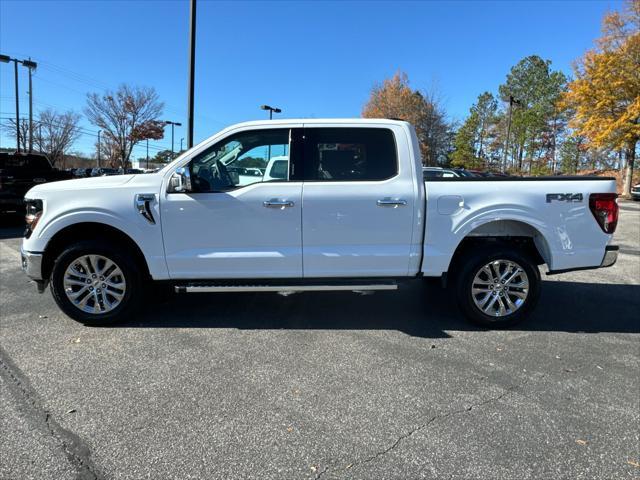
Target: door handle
[
  {"x": 276, "y": 203},
  {"x": 391, "y": 202}
]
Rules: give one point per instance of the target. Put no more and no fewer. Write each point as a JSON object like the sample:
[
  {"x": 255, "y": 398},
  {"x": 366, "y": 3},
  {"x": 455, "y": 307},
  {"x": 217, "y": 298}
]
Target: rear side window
[{"x": 349, "y": 154}]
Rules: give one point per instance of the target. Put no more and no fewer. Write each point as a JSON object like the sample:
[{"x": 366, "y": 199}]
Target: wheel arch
[
  {"x": 90, "y": 231},
  {"x": 516, "y": 233}
]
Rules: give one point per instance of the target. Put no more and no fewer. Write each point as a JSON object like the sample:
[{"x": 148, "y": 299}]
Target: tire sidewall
[
  {"x": 471, "y": 267},
  {"x": 125, "y": 263}
]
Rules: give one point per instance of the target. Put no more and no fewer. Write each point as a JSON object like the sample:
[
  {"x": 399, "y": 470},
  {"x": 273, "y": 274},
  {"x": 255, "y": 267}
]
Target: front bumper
[{"x": 32, "y": 264}]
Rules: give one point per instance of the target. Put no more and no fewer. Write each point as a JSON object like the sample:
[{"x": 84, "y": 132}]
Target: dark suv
[{"x": 21, "y": 171}]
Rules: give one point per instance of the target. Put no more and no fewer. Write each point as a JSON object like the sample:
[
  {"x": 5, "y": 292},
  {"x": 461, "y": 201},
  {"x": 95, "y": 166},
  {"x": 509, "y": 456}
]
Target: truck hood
[{"x": 80, "y": 184}]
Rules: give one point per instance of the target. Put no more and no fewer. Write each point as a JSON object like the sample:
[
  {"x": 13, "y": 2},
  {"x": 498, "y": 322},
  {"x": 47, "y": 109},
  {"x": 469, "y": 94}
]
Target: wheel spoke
[{"x": 491, "y": 303}]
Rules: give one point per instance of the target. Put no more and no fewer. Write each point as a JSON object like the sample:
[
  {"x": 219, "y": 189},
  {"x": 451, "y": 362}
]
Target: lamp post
[
  {"x": 181, "y": 140},
  {"x": 512, "y": 102},
  {"x": 7, "y": 59},
  {"x": 99, "y": 132},
  {"x": 31, "y": 66},
  {"x": 173, "y": 124},
  {"x": 272, "y": 110},
  {"x": 192, "y": 68}
]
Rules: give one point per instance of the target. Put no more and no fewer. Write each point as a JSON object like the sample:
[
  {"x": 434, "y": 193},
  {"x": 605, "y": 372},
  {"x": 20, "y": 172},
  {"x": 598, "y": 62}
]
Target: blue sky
[{"x": 312, "y": 59}]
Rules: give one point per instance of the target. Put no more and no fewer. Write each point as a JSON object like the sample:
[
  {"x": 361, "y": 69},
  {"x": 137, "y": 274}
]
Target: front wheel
[
  {"x": 497, "y": 286},
  {"x": 95, "y": 284}
]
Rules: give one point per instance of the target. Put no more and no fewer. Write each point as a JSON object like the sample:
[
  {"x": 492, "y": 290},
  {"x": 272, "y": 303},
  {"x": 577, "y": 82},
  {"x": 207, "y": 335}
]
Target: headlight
[{"x": 34, "y": 212}]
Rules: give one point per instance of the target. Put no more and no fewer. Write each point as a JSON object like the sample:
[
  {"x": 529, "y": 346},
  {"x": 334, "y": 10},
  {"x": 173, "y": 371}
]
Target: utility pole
[
  {"x": 512, "y": 101},
  {"x": 181, "y": 140},
  {"x": 192, "y": 66},
  {"x": 147, "y": 154},
  {"x": 99, "y": 131},
  {"x": 31, "y": 66}
]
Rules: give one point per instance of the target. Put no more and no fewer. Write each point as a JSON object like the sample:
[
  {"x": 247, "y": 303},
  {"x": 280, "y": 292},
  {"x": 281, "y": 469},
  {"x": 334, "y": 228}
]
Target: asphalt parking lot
[{"x": 332, "y": 385}]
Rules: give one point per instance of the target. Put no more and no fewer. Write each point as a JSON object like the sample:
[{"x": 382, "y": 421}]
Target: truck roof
[{"x": 319, "y": 121}]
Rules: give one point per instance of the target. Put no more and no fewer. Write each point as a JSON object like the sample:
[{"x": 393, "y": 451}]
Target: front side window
[
  {"x": 242, "y": 159},
  {"x": 350, "y": 154}
]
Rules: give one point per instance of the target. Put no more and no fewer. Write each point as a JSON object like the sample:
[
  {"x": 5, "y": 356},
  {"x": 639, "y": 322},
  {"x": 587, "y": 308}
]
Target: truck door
[
  {"x": 358, "y": 199},
  {"x": 234, "y": 222}
]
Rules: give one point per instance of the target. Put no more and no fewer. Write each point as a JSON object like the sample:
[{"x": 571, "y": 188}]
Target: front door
[{"x": 236, "y": 222}]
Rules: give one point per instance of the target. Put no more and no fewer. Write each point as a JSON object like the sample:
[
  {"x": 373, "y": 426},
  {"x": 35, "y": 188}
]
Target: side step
[{"x": 195, "y": 288}]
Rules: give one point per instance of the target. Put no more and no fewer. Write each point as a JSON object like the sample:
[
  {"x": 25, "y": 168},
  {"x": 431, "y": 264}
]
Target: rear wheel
[
  {"x": 497, "y": 286},
  {"x": 96, "y": 284}
]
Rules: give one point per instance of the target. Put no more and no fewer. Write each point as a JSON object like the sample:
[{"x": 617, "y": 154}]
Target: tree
[
  {"x": 605, "y": 94},
  {"x": 9, "y": 126},
  {"x": 164, "y": 156},
  {"x": 55, "y": 133},
  {"x": 394, "y": 98},
  {"x": 126, "y": 117},
  {"x": 464, "y": 154},
  {"x": 473, "y": 140},
  {"x": 534, "y": 127}
]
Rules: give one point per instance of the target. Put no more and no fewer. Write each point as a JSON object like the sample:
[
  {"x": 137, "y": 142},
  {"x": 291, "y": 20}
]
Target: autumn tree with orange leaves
[
  {"x": 394, "y": 98},
  {"x": 605, "y": 95}
]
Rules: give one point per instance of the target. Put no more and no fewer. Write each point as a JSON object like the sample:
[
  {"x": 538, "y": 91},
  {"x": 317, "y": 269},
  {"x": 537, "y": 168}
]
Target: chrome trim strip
[{"x": 283, "y": 288}]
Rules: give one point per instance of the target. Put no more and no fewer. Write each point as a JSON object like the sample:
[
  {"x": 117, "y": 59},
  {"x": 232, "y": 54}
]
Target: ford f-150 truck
[{"x": 348, "y": 210}]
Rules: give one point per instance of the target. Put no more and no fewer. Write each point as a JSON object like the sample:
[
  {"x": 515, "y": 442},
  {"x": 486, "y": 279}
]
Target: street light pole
[
  {"x": 99, "y": 131},
  {"x": 31, "y": 66},
  {"x": 271, "y": 112},
  {"x": 173, "y": 124},
  {"x": 181, "y": 140},
  {"x": 512, "y": 101},
  {"x": 192, "y": 66}
]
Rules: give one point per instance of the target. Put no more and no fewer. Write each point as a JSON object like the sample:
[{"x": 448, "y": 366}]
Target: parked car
[
  {"x": 134, "y": 171},
  {"x": 21, "y": 171},
  {"x": 438, "y": 172},
  {"x": 105, "y": 172},
  {"x": 635, "y": 192},
  {"x": 350, "y": 212}
]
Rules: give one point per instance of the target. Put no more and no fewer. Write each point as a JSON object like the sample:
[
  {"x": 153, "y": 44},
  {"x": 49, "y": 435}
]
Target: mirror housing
[{"x": 180, "y": 181}]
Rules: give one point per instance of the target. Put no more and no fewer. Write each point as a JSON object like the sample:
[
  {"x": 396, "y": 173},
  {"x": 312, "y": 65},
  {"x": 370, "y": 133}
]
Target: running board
[{"x": 284, "y": 288}]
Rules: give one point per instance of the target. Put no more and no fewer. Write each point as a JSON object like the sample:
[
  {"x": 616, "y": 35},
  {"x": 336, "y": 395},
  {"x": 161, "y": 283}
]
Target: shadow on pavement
[{"x": 418, "y": 309}]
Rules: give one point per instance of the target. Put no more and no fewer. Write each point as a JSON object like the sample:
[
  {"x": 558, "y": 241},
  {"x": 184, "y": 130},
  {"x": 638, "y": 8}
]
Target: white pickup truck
[{"x": 341, "y": 206}]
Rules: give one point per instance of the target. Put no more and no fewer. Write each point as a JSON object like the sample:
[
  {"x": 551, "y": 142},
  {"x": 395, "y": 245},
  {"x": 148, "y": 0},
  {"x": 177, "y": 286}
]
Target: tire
[
  {"x": 500, "y": 304},
  {"x": 105, "y": 299}
]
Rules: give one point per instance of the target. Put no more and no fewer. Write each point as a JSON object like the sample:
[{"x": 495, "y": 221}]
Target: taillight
[{"x": 605, "y": 209}]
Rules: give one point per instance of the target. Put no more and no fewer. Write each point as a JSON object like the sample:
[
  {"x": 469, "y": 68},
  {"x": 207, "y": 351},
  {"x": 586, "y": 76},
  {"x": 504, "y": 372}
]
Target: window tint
[
  {"x": 349, "y": 154},
  {"x": 241, "y": 160}
]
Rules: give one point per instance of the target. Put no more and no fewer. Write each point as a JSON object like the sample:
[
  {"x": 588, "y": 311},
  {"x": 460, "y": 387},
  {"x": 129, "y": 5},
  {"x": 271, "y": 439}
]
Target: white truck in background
[{"x": 341, "y": 205}]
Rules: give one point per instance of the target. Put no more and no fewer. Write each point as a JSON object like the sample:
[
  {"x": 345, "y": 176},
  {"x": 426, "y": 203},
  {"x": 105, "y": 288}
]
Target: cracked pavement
[{"x": 329, "y": 386}]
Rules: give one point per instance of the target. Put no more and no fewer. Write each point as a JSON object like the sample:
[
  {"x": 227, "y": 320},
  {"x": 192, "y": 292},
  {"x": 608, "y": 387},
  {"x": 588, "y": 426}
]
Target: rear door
[{"x": 358, "y": 202}]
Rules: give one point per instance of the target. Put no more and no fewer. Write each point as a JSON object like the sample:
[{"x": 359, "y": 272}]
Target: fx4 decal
[{"x": 564, "y": 197}]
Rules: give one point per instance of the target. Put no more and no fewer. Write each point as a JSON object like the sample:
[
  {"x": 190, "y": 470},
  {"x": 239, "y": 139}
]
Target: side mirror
[{"x": 180, "y": 181}]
